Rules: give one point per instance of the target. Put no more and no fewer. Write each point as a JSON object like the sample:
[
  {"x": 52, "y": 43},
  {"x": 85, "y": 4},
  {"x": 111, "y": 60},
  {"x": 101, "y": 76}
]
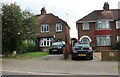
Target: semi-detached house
[
  {"x": 50, "y": 28},
  {"x": 100, "y": 28}
]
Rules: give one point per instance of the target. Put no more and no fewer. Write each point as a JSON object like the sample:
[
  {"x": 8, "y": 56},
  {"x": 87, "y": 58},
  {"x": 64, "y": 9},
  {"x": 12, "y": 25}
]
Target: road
[{"x": 55, "y": 65}]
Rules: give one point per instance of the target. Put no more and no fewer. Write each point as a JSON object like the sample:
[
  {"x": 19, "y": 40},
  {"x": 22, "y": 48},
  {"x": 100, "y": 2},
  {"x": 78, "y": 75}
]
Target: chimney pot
[
  {"x": 106, "y": 6},
  {"x": 43, "y": 11}
]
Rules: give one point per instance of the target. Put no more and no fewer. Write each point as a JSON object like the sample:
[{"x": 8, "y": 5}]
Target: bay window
[
  {"x": 103, "y": 40},
  {"x": 102, "y": 25},
  {"x": 118, "y": 24},
  {"x": 118, "y": 38},
  {"x": 46, "y": 41}
]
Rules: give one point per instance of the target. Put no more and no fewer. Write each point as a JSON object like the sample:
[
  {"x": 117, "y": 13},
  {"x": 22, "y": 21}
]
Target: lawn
[{"x": 32, "y": 55}]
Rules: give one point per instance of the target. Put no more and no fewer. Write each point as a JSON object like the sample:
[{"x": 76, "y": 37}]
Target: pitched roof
[
  {"x": 50, "y": 19},
  {"x": 101, "y": 14}
]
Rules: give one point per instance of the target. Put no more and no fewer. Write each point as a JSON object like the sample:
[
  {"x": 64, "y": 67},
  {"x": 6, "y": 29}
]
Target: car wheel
[
  {"x": 50, "y": 52},
  {"x": 73, "y": 58},
  {"x": 91, "y": 58}
]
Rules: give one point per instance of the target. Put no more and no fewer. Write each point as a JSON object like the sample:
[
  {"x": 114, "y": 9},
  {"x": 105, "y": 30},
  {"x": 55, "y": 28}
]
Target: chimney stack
[
  {"x": 106, "y": 6},
  {"x": 43, "y": 11}
]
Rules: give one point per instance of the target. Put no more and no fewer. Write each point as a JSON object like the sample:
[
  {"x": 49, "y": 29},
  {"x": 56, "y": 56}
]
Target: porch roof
[{"x": 42, "y": 35}]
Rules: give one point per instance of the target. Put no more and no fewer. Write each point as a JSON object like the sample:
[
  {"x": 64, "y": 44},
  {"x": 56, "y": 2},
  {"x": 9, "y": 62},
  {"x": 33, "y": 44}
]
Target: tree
[{"x": 16, "y": 26}]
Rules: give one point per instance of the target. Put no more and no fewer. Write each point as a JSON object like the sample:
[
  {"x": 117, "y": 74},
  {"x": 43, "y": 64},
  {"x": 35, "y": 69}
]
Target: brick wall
[
  {"x": 108, "y": 55},
  {"x": 89, "y": 33},
  {"x": 67, "y": 51}
]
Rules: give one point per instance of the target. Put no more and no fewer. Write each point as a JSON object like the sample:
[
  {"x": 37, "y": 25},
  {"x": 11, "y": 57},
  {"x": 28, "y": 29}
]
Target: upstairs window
[
  {"x": 102, "y": 25},
  {"x": 58, "y": 27},
  {"x": 85, "y": 26},
  {"x": 44, "y": 28},
  {"x": 118, "y": 24}
]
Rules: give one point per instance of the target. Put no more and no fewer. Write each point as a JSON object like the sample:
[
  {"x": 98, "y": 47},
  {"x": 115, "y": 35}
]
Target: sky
[{"x": 68, "y": 10}]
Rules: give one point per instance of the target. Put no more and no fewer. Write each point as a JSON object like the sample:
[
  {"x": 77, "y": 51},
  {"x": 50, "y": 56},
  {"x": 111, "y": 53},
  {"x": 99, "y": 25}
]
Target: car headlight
[
  {"x": 74, "y": 51},
  {"x": 59, "y": 47},
  {"x": 90, "y": 49}
]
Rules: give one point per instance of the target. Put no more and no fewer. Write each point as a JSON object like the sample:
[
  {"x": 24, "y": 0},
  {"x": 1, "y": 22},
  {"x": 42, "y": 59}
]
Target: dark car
[
  {"x": 57, "y": 48},
  {"x": 82, "y": 50}
]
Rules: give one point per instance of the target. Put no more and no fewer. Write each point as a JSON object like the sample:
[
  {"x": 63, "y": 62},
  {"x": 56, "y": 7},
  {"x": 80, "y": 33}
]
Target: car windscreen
[
  {"x": 57, "y": 44},
  {"x": 81, "y": 45}
]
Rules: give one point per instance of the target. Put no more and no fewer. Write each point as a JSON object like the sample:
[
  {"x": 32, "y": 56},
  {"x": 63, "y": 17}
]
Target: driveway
[{"x": 56, "y": 65}]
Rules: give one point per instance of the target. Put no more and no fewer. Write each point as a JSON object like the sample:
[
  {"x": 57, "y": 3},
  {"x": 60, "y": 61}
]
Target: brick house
[
  {"x": 50, "y": 28},
  {"x": 100, "y": 28}
]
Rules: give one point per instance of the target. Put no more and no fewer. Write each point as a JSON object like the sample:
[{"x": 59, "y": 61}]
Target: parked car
[
  {"x": 57, "y": 48},
  {"x": 82, "y": 50}
]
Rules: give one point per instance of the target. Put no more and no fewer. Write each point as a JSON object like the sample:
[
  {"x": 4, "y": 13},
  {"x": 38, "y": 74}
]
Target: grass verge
[{"x": 32, "y": 55}]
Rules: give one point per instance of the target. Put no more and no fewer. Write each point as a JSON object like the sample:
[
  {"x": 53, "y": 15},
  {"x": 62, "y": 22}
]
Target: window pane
[
  {"x": 45, "y": 28},
  {"x": 102, "y": 25},
  {"x": 59, "y": 27},
  {"x": 85, "y": 26},
  {"x": 45, "y": 41},
  {"x": 103, "y": 41}
]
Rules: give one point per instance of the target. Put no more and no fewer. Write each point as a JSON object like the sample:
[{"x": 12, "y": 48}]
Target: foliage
[
  {"x": 26, "y": 47},
  {"x": 95, "y": 49},
  {"x": 17, "y": 25},
  {"x": 116, "y": 46}
]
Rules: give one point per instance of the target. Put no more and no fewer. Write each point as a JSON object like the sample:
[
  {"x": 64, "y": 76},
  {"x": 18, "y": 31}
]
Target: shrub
[
  {"x": 31, "y": 47},
  {"x": 116, "y": 46},
  {"x": 95, "y": 49},
  {"x": 26, "y": 47}
]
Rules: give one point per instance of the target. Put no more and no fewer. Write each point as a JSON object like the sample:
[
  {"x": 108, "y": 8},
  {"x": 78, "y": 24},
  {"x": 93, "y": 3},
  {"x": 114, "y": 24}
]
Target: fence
[{"x": 108, "y": 55}]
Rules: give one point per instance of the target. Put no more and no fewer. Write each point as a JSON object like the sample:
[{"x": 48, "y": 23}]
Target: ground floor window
[
  {"x": 46, "y": 41},
  {"x": 118, "y": 38},
  {"x": 30, "y": 41},
  {"x": 103, "y": 40}
]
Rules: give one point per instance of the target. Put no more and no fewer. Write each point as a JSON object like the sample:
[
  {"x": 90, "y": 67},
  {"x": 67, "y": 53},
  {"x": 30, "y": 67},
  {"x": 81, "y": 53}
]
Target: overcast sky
[{"x": 68, "y": 10}]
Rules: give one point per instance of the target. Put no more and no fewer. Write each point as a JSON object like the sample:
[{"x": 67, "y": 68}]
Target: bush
[
  {"x": 116, "y": 46},
  {"x": 31, "y": 47},
  {"x": 95, "y": 49},
  {"x": 26, "y": 47}
]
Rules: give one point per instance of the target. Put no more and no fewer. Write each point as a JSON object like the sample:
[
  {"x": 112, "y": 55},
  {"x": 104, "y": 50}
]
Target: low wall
[{"x": 108, "y": 55}]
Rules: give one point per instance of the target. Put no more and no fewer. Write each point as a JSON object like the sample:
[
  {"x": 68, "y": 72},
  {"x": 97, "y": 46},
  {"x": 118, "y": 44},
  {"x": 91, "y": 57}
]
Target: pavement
[
  {"x": 56, "y": 65},
  {"x": 97, "y": 55}
]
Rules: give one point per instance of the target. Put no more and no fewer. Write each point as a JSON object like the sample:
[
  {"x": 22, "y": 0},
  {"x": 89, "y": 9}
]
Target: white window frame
[
  {"x": 118, "y": 24},
  {"x": 45, "y": 42},
  {"x": 85, "y": 26},
  {"x": 44, "y": 28},
  {"x": 58, "y": 27},
  {"x": 103, "y": 40},
  {"x": 102, "y": 25},
  {"x": 118, "y": 38}
]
